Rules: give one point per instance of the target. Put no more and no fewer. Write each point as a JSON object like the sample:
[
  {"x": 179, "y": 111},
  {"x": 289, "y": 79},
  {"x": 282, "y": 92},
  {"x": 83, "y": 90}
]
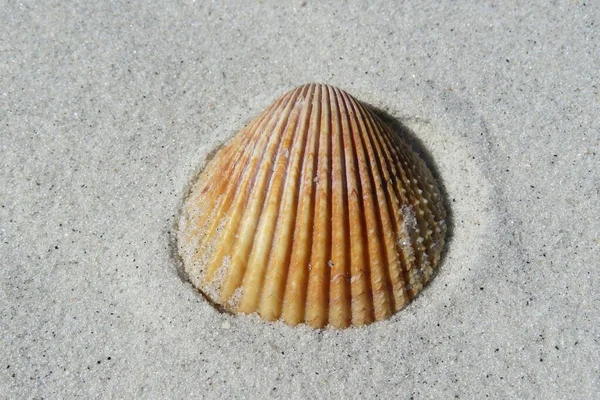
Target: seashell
[{"x": 316, "y": 212}]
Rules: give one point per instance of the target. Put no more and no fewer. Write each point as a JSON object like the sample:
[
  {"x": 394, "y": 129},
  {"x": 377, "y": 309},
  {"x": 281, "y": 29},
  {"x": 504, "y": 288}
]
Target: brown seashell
[{"x": 315, "y": 212}]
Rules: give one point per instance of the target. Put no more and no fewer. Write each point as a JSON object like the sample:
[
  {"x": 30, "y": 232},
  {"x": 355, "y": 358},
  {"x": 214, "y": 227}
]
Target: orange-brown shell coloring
[{"x": 316, "y": 212}]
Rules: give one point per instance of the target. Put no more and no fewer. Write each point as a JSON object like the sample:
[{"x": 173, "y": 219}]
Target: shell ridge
[
  {"x": 278, "y": 267},
  {"x": 313, "y": 202},
  {"x": 326, "y": 279},
  {"x": 399, "y": 184},
  {"x": 211, "y": 169},
  {"x": 339, "y": 286},
  {"x": 248, "y": 226},
  {"x": 422, "y": 242},
  {"x": 397, "y": 268},
  {"x": 263, "y": 235},
  {"x": 433, "y": 207},
  {"x": 242, "y": 193},
  {"x": 318, "y": 282},
  {"x": 426, "y": 223},
  {"x": 396, "y": 200},
  {"x": 235, "y": 186},
  {"x": 235, "y": 168},
  {"x": 380, "y": 210},
  {"x": 362, "y": 303},
  {"x": 239, "y": 187},
  {"x": 294, "y": 299},
  {"x": 376, "y": 276}
]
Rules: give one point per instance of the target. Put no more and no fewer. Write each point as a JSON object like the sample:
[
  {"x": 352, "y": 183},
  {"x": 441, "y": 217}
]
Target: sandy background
[{"x": 108, "y": 109}]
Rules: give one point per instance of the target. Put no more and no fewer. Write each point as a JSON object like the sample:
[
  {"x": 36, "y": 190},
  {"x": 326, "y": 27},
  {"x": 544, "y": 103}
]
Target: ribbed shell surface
[{"x": 316, "y": 212}]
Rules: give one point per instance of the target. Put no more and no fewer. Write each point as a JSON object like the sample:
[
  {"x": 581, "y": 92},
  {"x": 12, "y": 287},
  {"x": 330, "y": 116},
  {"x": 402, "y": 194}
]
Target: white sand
[{"x": 107, "y": 110}]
